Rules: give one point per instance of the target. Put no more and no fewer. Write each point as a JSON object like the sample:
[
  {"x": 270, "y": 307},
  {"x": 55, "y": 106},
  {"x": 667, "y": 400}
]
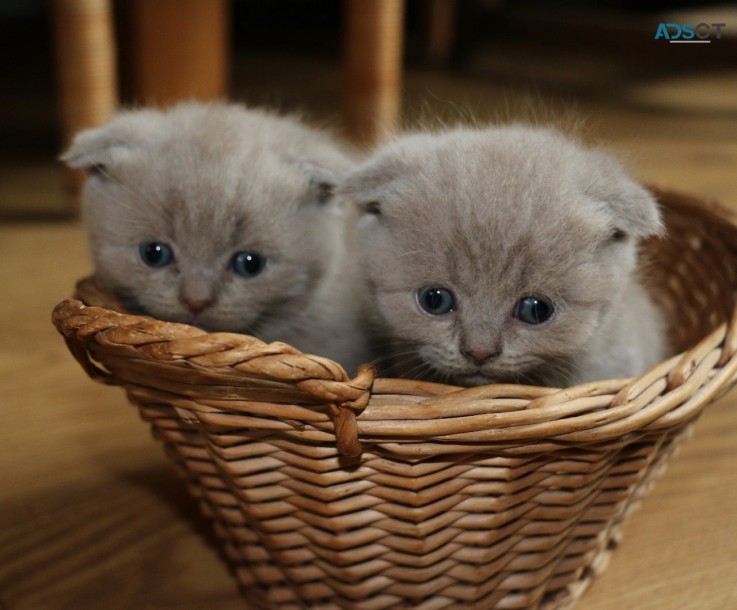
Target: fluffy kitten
[
  {"x": 224, "y": 217},
  {"x": 506, "y": 255}
]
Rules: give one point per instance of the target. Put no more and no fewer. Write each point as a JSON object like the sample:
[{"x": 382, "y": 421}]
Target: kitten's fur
[
  {"x": 211, "y": 180},
  {"x": 496, "y": 215}
]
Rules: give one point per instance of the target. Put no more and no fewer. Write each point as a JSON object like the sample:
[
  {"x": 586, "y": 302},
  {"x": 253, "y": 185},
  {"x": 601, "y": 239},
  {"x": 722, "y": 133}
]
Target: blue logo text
[{"x": 688, "y": 32}]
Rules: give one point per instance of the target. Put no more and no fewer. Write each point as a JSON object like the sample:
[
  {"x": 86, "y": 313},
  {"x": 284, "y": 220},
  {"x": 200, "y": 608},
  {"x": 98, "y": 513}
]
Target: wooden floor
[{"x": 91, "y": 515}]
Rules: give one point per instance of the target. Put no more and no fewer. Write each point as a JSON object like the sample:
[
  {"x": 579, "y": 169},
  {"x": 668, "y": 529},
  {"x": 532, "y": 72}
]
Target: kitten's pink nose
[
  {"x": 479, "y": 356},
  {"x": 197, "y": 306}
]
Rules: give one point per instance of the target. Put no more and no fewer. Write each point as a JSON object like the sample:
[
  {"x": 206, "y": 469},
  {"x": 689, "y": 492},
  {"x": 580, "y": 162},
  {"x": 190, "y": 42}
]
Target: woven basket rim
[{"x": 495, "y": 413}]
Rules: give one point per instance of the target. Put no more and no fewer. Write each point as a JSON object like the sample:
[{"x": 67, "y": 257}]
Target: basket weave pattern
[{"x": 365, "y": 493}]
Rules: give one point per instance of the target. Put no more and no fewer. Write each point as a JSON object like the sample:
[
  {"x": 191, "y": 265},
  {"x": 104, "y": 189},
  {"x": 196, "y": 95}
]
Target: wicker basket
[{"x": 330, "y": 492}]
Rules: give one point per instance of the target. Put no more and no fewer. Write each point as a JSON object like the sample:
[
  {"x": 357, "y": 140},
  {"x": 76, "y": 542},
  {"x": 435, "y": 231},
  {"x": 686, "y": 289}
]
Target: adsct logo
[{"x": 700, "y": 33}]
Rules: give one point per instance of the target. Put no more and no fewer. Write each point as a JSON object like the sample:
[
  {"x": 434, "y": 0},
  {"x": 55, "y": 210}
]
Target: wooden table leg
[
  {"x": 374, "y": 32},
  {"x": 180, "y": 50},
  {"x": 86, "y": 65}
]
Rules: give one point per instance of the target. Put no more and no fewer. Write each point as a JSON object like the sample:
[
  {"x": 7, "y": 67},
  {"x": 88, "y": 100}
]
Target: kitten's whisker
[
  {"x": 417, "y": 370},
  {"x": 398, "y": 364},
  {"x": 410, "y": 253}
]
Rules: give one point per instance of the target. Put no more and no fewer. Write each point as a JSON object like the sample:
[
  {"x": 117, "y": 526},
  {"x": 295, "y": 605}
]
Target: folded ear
[
  {"x": 321, "y": 182},
  {"x": 370, "y": 185},
  {"x": 98, "y": 150},
  {"x": 633, "y": 208}
]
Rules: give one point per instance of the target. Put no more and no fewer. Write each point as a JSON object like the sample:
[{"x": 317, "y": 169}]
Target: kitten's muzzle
[
  {"x": 479, "y": 356},
  {"x": 196, "y": 293},
  {"x": 196, "y": 305}
]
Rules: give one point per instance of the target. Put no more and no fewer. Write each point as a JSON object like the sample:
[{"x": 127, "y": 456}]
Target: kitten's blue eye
[
  {"x": 534, "y": 310},
  {"x": 436, "y": 301},
  {"x": 247, "y": 264},
  {"x": 156, "y": 254}
]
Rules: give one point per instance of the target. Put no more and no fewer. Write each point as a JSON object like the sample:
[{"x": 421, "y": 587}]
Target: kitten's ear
[
  {"x": 97, "y": 150},
  {"x": 369, "y": 186},
  {"x": 321, "y": 183},
  {"x": 634, "y": 208}
]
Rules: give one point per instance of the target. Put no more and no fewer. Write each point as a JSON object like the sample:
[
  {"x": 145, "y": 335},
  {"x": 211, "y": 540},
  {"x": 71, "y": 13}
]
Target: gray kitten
[
  {"x": 224, "y": 217},
  {"x": 506, "y": 255}
]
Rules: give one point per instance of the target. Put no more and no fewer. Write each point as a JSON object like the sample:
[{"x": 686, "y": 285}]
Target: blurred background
[
  {"x": 91, "y": 515},
  {"x": 664, "y": 105}
]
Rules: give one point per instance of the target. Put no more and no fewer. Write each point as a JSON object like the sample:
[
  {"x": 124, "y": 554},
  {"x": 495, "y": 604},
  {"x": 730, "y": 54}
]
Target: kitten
[
  {"x": 224, "y": 217},
  {"x": 506, "y": 255}
]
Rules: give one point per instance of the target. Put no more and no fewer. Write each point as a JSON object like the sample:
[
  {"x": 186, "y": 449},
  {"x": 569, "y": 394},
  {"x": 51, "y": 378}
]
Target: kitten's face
[
  {"x": 206, "y": 225},
  {"x": 493, "y": 256}
]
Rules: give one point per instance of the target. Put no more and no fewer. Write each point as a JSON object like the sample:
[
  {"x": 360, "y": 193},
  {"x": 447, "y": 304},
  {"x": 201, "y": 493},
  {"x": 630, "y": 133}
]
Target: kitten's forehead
[
  {"x": 493, "y": 213},
  {"x": 500, "y": 186},
  {"x": 501, "y": 169},
  {"x": 217, "y": 152},
  {"x": 229, "y": 189},
  {"x": 225, "y": 195}
]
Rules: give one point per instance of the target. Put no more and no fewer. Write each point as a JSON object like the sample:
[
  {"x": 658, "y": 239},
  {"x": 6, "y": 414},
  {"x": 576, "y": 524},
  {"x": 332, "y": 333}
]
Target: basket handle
[
  {"x": 344, "y": 400},
  {"x": 344, "y": 397}
]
